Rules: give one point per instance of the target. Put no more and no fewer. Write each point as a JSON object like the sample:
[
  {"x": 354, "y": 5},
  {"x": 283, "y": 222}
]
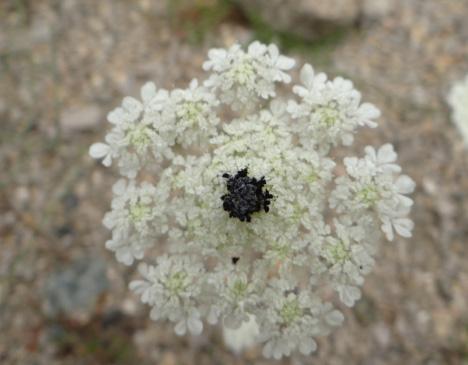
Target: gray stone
[
  {"x": 309, "y": 19},
  {"x": 374, "y": 9},
  {"x": 73, "y": 291}
]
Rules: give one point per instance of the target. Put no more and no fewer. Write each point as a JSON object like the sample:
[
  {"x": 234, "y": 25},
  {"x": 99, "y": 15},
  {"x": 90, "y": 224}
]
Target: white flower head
[
  {"x": 173, "y": 288},
  {"x": 329, "y": 110},
  {"x": 140, "y": 132},
  {"x": 458, "y": 101},
  {"x": 238, "y": 188},
  {"x": 136, "y": 218},
  {"x": 291, "y": 320},
  {"x": 347, "y": 257},
  {"x": 374, "y": 184},
  {"x": 242, "y": 78},
  {"x": 194, "y": 116}
]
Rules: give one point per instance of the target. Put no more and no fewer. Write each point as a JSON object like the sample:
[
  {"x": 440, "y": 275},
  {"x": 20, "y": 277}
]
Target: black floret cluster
[{"x": 245, "y": 195}]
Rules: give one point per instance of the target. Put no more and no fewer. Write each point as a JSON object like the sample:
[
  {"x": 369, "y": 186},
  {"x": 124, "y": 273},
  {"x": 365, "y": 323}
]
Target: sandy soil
[{"x": 64, "y": 64}]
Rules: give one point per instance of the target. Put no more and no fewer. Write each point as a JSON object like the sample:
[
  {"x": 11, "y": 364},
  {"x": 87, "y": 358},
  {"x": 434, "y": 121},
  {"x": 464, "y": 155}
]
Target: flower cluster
[
  {"x": 458, "y": 100},
  {"x": 237, "y": 185}
]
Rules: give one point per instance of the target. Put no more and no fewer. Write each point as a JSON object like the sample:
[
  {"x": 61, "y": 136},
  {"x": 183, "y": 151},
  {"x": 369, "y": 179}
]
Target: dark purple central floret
[{"x": 245, "y": 195}]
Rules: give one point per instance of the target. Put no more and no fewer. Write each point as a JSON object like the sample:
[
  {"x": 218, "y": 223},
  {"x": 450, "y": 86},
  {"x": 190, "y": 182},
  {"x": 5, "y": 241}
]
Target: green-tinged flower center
[
  {"x": 368, "y": 195},
  {"x": 243, "y": 72},
  {"x": 139, "y": 212},
  {"x": 290, "y": 311},
  {"x": 312, "y": 177},
  {"x": 239, "y": 288},
  {"x": 338, "y": 252},
  {"x": 140, "y": 137},
  {"x": 177, "y": 282},
  {"x": 328, "y": 115},
  {"x": 190, "y": 111},
  {"x": 281, "y": 251}
]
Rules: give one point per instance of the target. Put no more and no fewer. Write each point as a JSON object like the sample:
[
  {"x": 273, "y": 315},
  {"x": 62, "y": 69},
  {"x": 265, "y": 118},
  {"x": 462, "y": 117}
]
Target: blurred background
[{"x": 65, "y": 63}]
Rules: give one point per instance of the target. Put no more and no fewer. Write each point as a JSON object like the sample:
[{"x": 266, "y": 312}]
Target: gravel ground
[{"x": 65, "y": 63}]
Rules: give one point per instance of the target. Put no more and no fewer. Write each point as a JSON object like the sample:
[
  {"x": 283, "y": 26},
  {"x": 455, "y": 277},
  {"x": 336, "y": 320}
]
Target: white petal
[
  {"x": 285, "y": 63},
  {"x": 124, "y": 256},
  {"x": 307, "y": 346},
  {"x": 99, "y": 150},
  {"x": 334, "y": 318},
  {"x": 256, "y": 49},
  {"x": 350, "y": 163},
  {"x": 133, "y": 108},
  {"x": 107, "y": 161},
  {"x": 280, "y": 350},
  {"x": 301, "y": 91},
  {"x": 403, "y": 226},
  {"x": 405, "y": 201},
  {"x": 370, "y": 152},
  {"x": 386, "y": 154},
  {"x": 273, "y": 50},
  {"x": 137, "y": 286},
  {"x": 349, "y": 295},
  {"x": 148, "y": 92},
  {"x": 194, "y": 84},
  {"x": 387, "y": 229},
  {"x": 110, "y": 245},
  {"x": 369, "y": 111},
  {"x": 119, "y": 187},
  {"x": 405, "y": 184},
  {"x": 116, "y": 116},
  {"x": 180, "y": 328},
  {"x": 216, "y": 56},
  {"x": 307, "y": 75},
  {"x": 108, "y": 221},
  {"x": 195, "y": 326},
  {"x": 131, "y": 104}
]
